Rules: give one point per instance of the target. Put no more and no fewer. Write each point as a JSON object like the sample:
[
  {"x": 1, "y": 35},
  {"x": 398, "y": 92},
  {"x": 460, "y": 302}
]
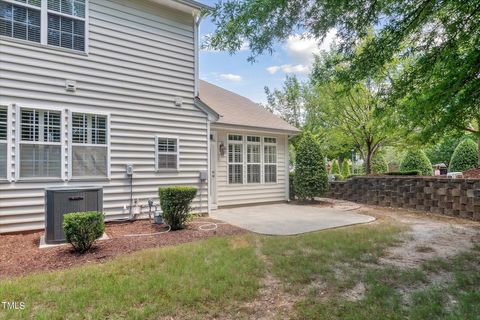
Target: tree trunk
[{"x": 368, "y": 160}]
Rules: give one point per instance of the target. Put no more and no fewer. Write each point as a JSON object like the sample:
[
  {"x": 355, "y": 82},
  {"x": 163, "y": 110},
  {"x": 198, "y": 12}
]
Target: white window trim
[
  {"x": 166, "y": 136},
  {"x": 18, "y": 142},
  {"x": 268, "y": 163},
  {"x": 71, "y": 145},
  {"x": 247, "y": 143},
  {"x": 8, "y": 142},
  {"x": 44, "y": 11},
  {"x": 242, "y": 143}
]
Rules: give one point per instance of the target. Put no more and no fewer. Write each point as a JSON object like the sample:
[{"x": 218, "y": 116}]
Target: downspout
[
  {"x": 209, "y": 168},
  {"x": 197, "y": 19}
]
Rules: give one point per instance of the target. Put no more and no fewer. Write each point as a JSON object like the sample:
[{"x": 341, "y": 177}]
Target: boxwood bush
[
  {"x": 311, "y": 179},
  {"x": 83, "y": 228},
  {"x": 176, "y": 205},
  {"x": 416, "y": 160},
  {"x": 464, "y": 157}
]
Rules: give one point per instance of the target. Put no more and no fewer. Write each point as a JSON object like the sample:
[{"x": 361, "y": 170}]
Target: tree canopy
[{"x": 434, "y": 44}]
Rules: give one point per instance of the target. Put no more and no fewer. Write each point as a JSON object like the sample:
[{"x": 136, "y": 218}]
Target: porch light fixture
[{"x": 221, "y": 149}]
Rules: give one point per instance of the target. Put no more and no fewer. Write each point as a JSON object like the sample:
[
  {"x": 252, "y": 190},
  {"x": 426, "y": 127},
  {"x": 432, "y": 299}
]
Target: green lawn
[{"x": 219, "y": 276}]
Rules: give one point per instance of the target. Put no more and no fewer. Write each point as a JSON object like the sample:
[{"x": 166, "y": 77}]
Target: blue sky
[{"x": 235, "y": 73}]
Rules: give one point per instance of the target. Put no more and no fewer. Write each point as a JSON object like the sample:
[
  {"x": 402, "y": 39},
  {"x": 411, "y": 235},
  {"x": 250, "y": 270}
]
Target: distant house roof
[{"x": 236, "y": 110}]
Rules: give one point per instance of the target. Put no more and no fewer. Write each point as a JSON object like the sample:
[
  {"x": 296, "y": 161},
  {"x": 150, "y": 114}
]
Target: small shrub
[
  {"x": 335, "y": 169},
  {"x": 338, "y": 177},
  {"x": 464, "y": 157},
  {"x": 416, "y": 160},
  {"x": 176, "y": 205},
  {"x": 378, "y": 164},
  {"x": 345, "y": 169},
  {"x": 291, "y": 177},
  {"x": 311, "y": 178},
  {"x": 355, "y": 175},
  {"x": 83, "y": 228},
  {"x": 404, "y": 173}
]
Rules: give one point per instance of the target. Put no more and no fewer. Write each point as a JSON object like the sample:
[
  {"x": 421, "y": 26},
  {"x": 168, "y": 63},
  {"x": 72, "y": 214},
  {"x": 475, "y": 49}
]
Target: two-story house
[{"x": 88, "y": 87}]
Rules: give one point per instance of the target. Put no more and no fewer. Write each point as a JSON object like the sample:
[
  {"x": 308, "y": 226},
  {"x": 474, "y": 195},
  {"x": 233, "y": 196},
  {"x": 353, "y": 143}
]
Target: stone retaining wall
[{"x": 455, "y": 197}]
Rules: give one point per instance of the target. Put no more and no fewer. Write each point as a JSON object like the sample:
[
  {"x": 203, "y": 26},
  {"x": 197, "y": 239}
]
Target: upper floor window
[
  {"x": 3, "y": 141},
  {"x": 89, "y": 145},
  {"x": 63, "y": 20}
]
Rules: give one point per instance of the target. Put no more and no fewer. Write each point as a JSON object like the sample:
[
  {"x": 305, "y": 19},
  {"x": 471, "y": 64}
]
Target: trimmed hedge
[
  {"x": 464, "y": 157},
  {"x": 338, "y": 177},
  {"x": 176, "y": 205},
  {"x": 378, "y": 164},
  {"x": 345, "y": 168},
  {"x": 311, "y": 178},
  {"x": 416, "y": 160},
  {"x": 404, "y": 173},
  {"x": 83, "y": 228}
]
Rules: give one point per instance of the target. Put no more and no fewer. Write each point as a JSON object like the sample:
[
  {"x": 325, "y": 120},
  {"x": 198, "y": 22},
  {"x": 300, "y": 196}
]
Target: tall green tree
[
  {"x": 354, "y": 113},
  {"x": 287, "y": 102},
  {"x": 435, "y": 89}
]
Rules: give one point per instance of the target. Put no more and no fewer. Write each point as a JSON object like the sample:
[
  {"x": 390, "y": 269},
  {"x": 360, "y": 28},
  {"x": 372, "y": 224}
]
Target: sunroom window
[
  {"x": 40, "y": 144},
  {"x": 235, "y": 159},
  {"x": 253, "y": 159},
  {"x": 3, "y": 142},
  {"x": 270, "y": 160},
  {"x": 89, "y": 145},
  {"x": 63, "y": 20}
]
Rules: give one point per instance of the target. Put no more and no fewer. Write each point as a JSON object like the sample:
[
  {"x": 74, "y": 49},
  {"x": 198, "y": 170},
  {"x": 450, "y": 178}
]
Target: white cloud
[
  {"x": 301, "y": 49},
  {"x": 231, "y": 77},
  {"x": 288, "y": 68}
]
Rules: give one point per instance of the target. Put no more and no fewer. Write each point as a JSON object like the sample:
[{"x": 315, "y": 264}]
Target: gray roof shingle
[{"x": 237, "y": 110}]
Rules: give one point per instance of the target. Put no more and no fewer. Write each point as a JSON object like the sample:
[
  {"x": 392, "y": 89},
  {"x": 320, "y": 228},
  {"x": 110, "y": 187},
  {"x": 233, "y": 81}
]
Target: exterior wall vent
[
  {"x": 63, "y": 200},
  {"x": 70, "y": 85}
]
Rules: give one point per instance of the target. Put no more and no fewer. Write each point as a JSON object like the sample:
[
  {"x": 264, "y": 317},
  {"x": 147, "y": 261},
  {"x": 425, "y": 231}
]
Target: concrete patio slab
[{"x": 289, "y": 219}]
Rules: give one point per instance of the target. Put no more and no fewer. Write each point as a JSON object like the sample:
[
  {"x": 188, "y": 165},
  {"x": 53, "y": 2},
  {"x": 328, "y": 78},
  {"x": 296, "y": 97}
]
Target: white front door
[{"x": 213, "y": 170}]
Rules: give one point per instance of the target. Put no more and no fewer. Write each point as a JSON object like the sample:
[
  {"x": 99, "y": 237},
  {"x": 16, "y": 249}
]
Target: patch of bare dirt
[
  {"x": 356, "y": 293},
  {"x": 430, "y": 236},
  {"x": 272, "y": 302},
  {"x": 19, "y": 253}
]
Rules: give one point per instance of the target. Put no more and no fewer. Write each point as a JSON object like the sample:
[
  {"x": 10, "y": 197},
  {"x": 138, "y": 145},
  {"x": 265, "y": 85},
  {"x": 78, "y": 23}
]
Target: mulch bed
[
  {"x": 472, "y": 174},
  {"x": 20, "y": 255}
]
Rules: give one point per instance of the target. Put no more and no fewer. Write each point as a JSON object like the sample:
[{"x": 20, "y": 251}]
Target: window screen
[
  {"x": 167, "y": 153},
  {"x": 89, "y": 145}
]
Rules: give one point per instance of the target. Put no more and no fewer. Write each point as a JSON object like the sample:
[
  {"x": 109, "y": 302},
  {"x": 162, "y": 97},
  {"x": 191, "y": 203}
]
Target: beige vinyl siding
[
  {"x": 240, "y": 194},
  {"x": 141, "y": 56}
]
